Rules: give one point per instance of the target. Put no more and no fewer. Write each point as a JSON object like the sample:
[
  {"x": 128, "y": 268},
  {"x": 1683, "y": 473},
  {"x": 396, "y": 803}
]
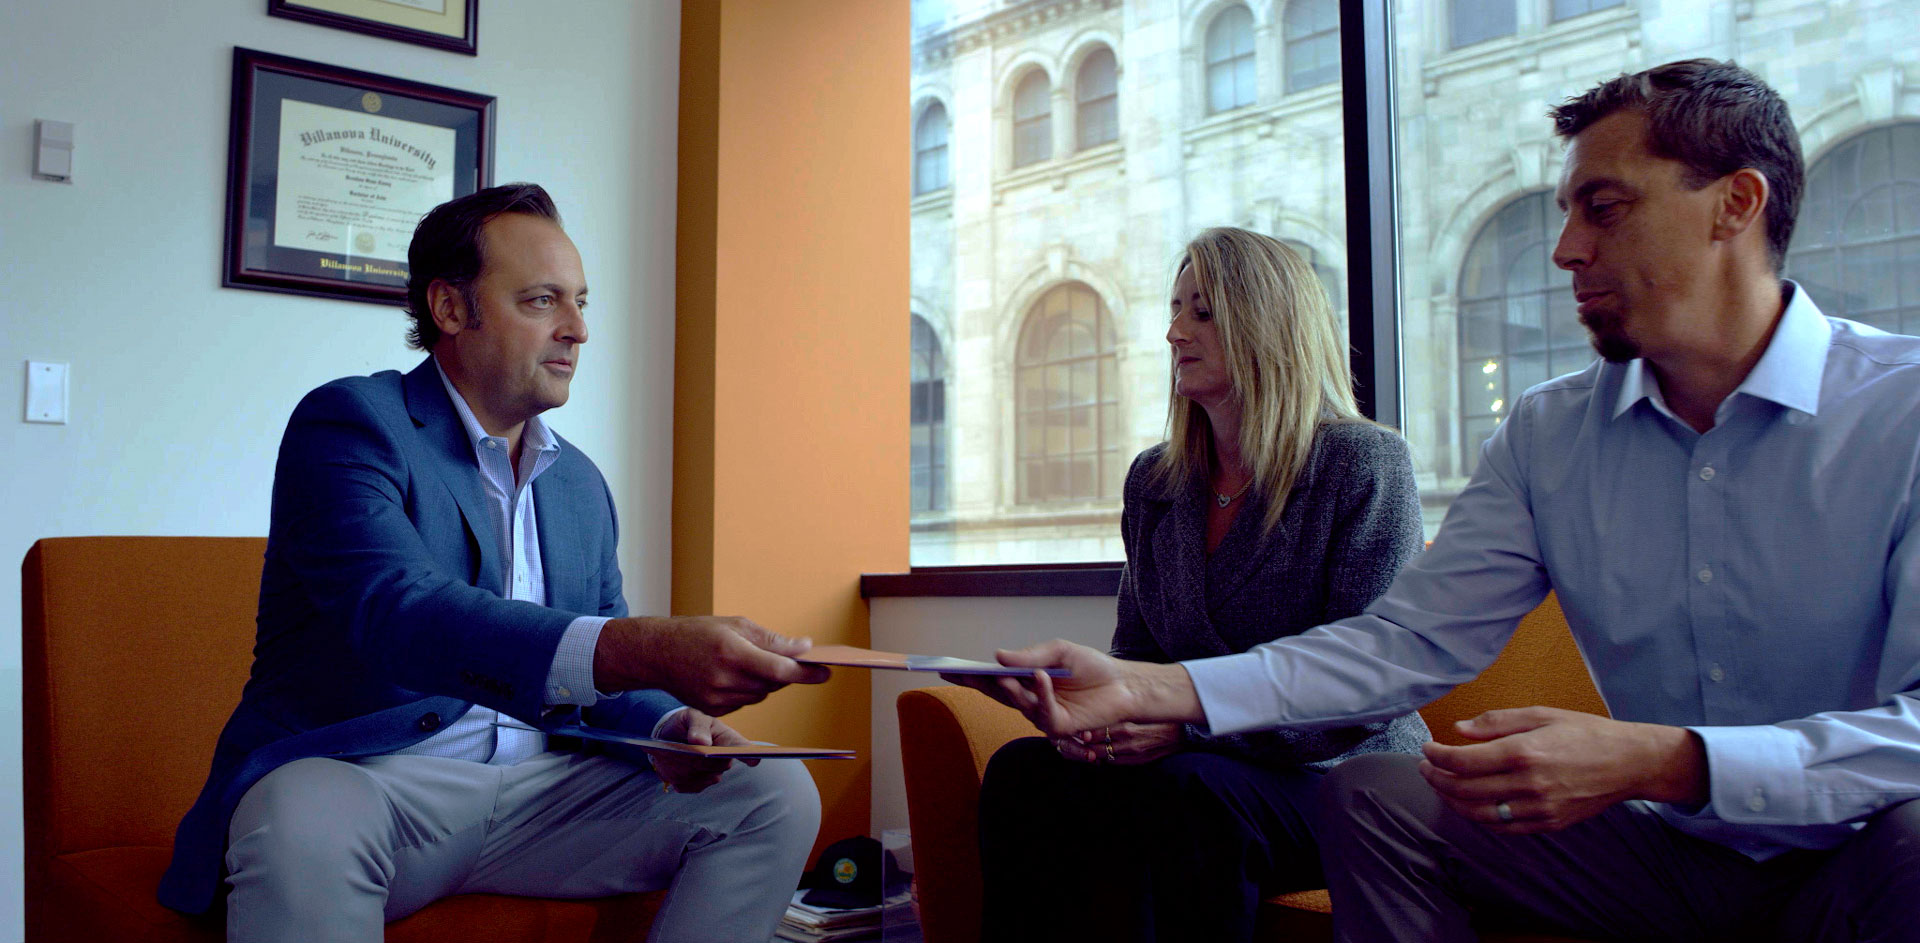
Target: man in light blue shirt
[{"x": 1725, "y": 506}]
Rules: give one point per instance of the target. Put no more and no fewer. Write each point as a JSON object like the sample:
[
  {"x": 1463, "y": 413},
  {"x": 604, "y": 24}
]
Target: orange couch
[
  {"x": 135, "y": 649},
  {"x": 947, "y": 734}
]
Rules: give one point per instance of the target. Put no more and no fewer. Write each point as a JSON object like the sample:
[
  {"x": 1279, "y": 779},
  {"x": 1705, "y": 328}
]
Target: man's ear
[
  {"x": 448, "y": 307},
  {"x": 1743, "y": 204}
]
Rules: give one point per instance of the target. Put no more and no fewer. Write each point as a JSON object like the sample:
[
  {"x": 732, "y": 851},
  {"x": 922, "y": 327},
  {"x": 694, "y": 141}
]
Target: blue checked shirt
[
  {"x": 570, "y": 680},
  {"x": 1758, "y": 583}
]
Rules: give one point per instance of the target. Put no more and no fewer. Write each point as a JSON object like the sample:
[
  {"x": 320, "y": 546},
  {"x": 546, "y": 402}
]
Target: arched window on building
[
  {"x": 1096, "y": 93},
  {"x": 930, "y": 150},
  {"x": 1230, "y": 60},
  {"x": 928, "y": 419},
  {"x": 1068, "y": 424},
  {"x": 1856, "y": 247},
  {"x": 1313, "y": 44},
  {"x": 1476, "y": 21},
  {"x": 1518, "y": 325},
  {"x": 1032, "y": 119},
  {"x": 1329, "y": 279}
]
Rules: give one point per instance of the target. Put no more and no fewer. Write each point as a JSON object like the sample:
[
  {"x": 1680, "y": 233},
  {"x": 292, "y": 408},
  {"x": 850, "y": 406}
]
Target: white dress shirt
[{"x": 1758, "y": 583}]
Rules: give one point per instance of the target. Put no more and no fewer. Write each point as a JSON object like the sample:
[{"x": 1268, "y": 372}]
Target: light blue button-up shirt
[
  {"x": 510, "y": 508},
  {"x": 1758, "y": 583}
]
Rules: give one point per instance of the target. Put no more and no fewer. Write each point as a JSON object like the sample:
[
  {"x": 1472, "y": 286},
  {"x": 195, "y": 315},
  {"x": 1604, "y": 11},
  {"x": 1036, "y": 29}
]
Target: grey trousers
[
  {"x": 325, "y": 850},
  {"x": 1402, "y": 866}
]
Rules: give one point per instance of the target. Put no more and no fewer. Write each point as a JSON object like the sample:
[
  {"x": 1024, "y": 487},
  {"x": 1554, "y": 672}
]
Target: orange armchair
[
  {"x": 135, "y": 649},
  {"x": 947, "y": 734}
]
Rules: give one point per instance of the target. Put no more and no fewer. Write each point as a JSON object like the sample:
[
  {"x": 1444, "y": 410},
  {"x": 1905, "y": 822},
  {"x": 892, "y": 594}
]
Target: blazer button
[{"x": 429, "y": 723}]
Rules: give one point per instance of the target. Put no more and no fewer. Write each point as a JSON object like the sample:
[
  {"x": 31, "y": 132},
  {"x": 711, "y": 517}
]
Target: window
[
  {"x": 1475, "y": 21},
  {"x": 1517, "y": 320},
  {"x": 1230, "y": 61},
  {"x": 1097, "y": 100},
  {"x": 1856, "y": 247},
  {"x": 1032, "y": 119},
  {"x": 928, "y": 418},
  {"x": 1069, "y": 409},
  {"x": 930, "y": 150},
  {"x": 1568, "y": 9},
  {"x": 1313, "y": 44},
  {"x": 1328, "y": 279}
]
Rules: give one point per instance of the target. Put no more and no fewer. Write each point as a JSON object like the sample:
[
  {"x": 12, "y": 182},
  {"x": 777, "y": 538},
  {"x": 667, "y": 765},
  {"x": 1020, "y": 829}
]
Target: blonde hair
[{"x": 1285, "y": 355}]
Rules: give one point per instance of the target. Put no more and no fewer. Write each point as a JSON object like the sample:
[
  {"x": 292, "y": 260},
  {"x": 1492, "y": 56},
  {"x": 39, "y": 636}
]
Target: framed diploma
[
  {"x": 443, "y": 24},
  {"x": 329, "y": 170}
]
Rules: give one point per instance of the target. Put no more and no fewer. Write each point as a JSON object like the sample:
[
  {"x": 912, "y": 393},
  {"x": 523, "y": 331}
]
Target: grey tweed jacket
[{"x": 1352, "y": 519}]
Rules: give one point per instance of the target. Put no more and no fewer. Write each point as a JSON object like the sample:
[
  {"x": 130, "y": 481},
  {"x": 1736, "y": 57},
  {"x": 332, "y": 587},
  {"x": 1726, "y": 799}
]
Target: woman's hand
[{"x": 1124, "y": 744}]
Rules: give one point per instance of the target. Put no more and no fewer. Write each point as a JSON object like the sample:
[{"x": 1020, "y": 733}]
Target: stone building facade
[{"x": 1045, "y": 225}]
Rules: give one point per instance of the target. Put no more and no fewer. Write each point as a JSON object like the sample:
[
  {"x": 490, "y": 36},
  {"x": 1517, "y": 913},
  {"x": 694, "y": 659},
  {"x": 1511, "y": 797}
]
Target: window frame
[
  {"x": 945, "y": 147},
  {"x": 1367, "y": 71},
  {"x": 1081, "y": 103}
]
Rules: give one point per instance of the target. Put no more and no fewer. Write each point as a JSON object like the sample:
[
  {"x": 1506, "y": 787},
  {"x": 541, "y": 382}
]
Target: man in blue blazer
[{"x": 440, "y": 572}]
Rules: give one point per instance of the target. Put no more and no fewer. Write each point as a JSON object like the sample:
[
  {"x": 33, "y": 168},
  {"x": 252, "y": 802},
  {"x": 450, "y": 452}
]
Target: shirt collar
[
  {"x": 536, "y": 436},
  {"x": 1788, "y": 373}
]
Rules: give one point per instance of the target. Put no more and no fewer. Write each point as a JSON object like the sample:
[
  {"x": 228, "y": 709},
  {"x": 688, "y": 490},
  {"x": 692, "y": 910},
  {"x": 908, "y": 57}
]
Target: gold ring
[
  {"x": 1109, "y": 751},
  {"x": 1109, "y": 731}
]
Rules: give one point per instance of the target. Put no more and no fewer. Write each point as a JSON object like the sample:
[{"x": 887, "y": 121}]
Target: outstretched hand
[
  {"x": 714, "y": 663},
  {"x": 1541, "y": 769},
  {"x": 1102, "y": 690},
  {"x": 1126, "y": 744}
]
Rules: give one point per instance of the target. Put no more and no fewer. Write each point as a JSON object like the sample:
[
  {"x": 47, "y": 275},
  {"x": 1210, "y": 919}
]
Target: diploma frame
[
  {"x": 262, "y": 81},
  {"x": 459, "y": 27}
]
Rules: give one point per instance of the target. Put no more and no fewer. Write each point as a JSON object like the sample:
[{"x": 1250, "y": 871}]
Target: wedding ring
[
  {"x": 1109, "y": 751},
  {"x": 1109, "y": 731},
  {"x": 1504, "y": 811}
]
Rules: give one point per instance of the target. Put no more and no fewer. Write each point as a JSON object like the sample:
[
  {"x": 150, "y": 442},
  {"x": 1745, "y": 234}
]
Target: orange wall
[{"x": 790, "y": 416}]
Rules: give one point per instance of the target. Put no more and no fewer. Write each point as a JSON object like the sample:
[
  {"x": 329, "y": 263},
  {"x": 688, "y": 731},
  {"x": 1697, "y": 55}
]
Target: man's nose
[
  {"x": 1574, "y": 248},
  {"x": 573, "y": 327}
]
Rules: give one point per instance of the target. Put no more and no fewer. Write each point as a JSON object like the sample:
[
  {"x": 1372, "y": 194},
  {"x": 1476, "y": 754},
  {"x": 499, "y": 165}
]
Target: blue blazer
[{"x": 381, "y": 613}]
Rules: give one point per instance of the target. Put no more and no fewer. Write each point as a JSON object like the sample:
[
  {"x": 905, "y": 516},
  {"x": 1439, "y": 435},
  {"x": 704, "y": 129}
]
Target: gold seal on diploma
[
  {"x": 363, "y": 243},
  {"x": 371, "y": 102}
]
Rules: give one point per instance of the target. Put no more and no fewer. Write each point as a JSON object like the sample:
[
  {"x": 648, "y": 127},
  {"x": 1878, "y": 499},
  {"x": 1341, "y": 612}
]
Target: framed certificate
[
  {"x": 329, "y": 170},
  {"x": 443, "y": 24}
]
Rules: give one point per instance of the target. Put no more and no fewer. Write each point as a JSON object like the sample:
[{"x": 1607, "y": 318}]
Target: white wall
[
  {"x": 970, "y": 627},
  {"x": 180, "y": 388}
]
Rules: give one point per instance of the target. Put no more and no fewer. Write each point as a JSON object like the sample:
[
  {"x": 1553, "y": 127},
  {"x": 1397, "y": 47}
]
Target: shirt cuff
[
  {"x": 570, "y": 678},
  {"x": 1754, "y": 775},
  {"x": 1234, "y": 691}
]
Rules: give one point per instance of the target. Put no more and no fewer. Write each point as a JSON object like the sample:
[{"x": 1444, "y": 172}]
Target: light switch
[
  {"x": 46, "y": 392},
  {"x": 53, "y": 150}
]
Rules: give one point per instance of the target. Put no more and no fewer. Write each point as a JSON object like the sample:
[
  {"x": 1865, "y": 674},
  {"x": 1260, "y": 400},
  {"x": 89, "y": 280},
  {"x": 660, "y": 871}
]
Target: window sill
[
  {"x": 1057, "y": 170},
  {"x": 1527, "y": 46},
  {"x": 1050, "y": 579},
  {"x": 1265, "y": 120}
]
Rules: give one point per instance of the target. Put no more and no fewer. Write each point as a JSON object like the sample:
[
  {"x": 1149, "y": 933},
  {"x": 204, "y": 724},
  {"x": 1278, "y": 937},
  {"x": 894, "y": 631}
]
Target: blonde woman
[{"x": 1272, "y": 507}]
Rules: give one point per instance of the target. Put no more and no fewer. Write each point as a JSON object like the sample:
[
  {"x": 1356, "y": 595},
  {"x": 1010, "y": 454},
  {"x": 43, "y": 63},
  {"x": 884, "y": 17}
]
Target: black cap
[{"x": 847, "y": 874}]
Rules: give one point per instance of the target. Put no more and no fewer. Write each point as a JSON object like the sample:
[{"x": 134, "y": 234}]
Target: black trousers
[{"x": 1180, "y": 849}]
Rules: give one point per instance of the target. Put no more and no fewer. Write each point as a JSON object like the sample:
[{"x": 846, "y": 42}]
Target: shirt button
[
  {"x": 563, "y": 692},
  {"x": 1717, "y": 673},
  {"x": 1706, "y": 473},
  {"x": 1757, "y": 803},
  {"x": 492, "y": 444},
  {"x": 1705, "y": 575}
]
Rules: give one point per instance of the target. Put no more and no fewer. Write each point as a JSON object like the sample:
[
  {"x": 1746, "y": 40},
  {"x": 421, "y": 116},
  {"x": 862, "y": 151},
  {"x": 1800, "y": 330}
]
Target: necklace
[{"x": 1226, "y": 499}]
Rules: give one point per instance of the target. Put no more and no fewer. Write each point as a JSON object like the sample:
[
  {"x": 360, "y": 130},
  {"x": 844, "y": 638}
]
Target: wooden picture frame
[
  {"x": 452, "y": 25},
  {"x": 330, "y": 169}
]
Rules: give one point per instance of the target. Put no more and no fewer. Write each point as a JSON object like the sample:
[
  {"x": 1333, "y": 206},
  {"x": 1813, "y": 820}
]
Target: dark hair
[
  {"x": 446, "y": 247},
  {"x": 1715, "y": 118}
]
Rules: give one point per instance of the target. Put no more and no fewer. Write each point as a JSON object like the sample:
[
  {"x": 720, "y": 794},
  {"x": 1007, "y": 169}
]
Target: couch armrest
[{"x": 947, "y": 734}]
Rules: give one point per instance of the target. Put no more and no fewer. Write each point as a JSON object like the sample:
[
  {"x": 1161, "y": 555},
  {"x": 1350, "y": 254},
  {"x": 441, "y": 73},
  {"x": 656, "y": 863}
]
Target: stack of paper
[{"x": 807, "y": 923}]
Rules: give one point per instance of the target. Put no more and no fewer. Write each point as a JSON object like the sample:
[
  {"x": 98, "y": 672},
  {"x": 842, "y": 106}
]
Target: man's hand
[
  {"x": 685, "y": 773},
  {"x": 714, "y": 663},
  {"x": 1124, "y": 744},
  {"x": 1102, "y": 692},
  {"x": 1549, "y": 768}
]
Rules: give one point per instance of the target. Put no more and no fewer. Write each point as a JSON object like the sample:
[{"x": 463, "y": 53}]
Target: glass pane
[
  {"x": 1483, "y": 311},
  {"x": 1052, "y": 288}
]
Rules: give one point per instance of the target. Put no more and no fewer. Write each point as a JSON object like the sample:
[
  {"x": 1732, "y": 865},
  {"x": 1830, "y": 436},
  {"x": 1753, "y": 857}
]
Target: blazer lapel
[{"x": 450, "y": 455}]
